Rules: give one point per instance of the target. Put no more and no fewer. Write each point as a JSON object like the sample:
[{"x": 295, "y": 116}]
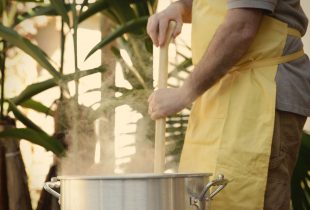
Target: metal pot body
[{"x": 136, "y": 192}]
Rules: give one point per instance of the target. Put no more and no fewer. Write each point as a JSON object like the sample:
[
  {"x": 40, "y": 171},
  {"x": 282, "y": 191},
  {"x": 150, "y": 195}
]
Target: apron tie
[
  {"x": 293, "y": 32},
  {"x": 269, "y": 61}
]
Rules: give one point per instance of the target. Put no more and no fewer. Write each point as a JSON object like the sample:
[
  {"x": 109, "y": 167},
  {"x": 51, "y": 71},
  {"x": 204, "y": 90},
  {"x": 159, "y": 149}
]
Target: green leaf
[
  {"x": 93, "y": 8},
  {"x": 22, "y": 118},
  {"x": 153, "y": 5},
  {"x": 122, "y": 10},
  {"x": 29, "y": 48},
  {"x": 142, "y": 8},
  {"x": 127, "y": 27},
  {"x": 31, "y": 125},
  {"x": 36, "y": 137},
  {"x": 300, "y": 187},
  {"x": 45, "y": 10},
  {"x": 37, "y": 106},
  {"x": 84, "y": 3},
  {"x": 306, "y": 142},
  {"x": 2, "y": 7},
  {"x": 110, "y": 14},
  {"x": 60, "y": 7},
  {"x": 34, "y": 89},
  {"x": 37, "y": 88},
  {"x": 35, "y": 1},
  {"x": 130, "y": 73}
]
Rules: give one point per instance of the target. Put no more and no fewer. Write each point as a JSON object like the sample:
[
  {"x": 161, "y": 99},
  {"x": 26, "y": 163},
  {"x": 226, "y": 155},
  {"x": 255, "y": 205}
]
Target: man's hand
[
  {"x": 168, "y": 101},
  {"x": 157, "y": 25}
]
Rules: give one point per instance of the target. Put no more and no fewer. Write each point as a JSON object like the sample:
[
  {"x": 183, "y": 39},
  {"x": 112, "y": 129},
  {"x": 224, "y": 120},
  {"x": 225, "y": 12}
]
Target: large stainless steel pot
[{"x": 136, "y": 192}]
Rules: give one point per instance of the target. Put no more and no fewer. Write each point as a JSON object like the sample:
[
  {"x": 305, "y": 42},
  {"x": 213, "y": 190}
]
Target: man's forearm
[{"x": 229, "y": 44}]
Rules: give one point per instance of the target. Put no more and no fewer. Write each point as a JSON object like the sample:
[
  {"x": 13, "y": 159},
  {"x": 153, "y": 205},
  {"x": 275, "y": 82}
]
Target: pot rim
[{"x": 136, "y": 176}]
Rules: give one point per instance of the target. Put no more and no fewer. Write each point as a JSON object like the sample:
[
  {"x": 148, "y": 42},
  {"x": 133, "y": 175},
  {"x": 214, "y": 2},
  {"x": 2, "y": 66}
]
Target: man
[{"x": 250, "y": 93}]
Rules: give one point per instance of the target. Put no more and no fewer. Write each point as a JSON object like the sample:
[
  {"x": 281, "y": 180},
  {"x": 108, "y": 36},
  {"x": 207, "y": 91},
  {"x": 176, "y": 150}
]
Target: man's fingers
[
  {"x": 152, "y": 29},
  {"x": 156, "y": 116},
  {"x": 163, "y": 26},
  {"x": 154, "y": 113},
  {"x": 151, "y": 104},
  {"x": 152, "y": 109},
  {"x": 150, "y": 98},
  {"x": 157, "y": 27},
  {"x": 178, "y": 28}
]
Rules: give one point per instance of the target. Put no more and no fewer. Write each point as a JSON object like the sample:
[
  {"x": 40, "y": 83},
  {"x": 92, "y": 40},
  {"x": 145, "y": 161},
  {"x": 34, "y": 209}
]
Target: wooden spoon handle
[{"x": 160, "y": 130}]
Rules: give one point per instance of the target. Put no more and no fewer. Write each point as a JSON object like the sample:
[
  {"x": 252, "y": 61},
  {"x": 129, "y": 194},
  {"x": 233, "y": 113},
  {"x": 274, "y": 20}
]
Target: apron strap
[
  {"x": 269, "y": 61},
  {"x": 293, "y": 32}
]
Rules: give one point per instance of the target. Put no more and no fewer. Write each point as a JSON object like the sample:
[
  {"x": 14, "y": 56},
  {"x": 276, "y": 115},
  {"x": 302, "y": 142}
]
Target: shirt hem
[
  {"x": 293, "y": 108},
  {"x": 257, "y": 4}
]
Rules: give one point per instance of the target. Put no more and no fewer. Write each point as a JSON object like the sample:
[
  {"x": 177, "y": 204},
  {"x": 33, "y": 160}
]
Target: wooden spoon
[{"x": 160, "y": 130}]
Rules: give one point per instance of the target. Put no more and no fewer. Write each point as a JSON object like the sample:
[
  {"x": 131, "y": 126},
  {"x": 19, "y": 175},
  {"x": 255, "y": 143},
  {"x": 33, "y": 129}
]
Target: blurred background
[{"x": 75, "y": 78}]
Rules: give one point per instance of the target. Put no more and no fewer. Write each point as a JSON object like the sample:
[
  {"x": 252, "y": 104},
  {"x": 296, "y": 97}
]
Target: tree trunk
[
  {"x": 81, "y": 147},
  {"x": 19, "y": 196},
  {"x": 17, "y": 181},
  {"x": 3, "y": 188},
  {"x": 107, "y": 121}
]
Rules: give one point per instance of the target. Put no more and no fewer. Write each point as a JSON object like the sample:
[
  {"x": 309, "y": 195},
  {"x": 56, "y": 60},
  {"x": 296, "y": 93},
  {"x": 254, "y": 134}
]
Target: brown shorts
[{"x": 284, "y": 152}]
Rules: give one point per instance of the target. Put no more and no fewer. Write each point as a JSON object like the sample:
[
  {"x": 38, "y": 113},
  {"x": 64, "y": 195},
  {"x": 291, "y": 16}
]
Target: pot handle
[
  {"x": 198, "y": 201},
  {"x": 54, "y": 183},
  {"x": 221, "y": 182}
]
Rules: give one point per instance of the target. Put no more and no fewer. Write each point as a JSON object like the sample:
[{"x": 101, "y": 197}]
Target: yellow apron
[{"x": 231, "y": 125}]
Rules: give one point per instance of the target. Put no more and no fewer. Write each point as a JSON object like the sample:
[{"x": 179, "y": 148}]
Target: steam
[
  {"x": 90, "y": 153},
  {"x": 119, "y": 142}
]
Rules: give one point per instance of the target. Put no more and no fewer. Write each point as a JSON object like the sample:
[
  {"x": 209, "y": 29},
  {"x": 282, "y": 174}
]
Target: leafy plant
[
  {"x": 10, "y": 36},
  {"x": 128, "y": 33},
  {"x": 300, "y": 185}
]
